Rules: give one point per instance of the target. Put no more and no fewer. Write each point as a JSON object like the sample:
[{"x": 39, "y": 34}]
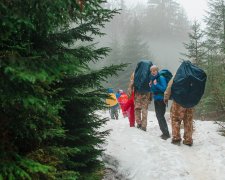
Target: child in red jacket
[
  {"x": 122, "y": 101},
  {"x": 129, "y": 108}
]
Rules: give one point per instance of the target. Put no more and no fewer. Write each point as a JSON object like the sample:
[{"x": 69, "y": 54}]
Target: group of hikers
[
  {"x": 185, "y": 88},
  {"x": 118, "y": 101}
]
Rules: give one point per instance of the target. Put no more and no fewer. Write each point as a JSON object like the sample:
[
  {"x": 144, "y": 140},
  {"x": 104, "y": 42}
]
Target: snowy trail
[
  {"x": 145, "y": 156},
  {"x": 206, "y": 158}
]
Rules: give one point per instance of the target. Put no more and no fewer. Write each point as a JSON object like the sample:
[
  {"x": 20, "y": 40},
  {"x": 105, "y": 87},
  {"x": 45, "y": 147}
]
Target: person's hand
[
  {"x": 166, "y": 101},
  {"x": 155, "y": 82}
]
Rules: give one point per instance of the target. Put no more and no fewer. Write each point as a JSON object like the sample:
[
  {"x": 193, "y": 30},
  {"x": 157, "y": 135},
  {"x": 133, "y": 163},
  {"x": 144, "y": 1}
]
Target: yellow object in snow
[{"x": 112, "y": 101}]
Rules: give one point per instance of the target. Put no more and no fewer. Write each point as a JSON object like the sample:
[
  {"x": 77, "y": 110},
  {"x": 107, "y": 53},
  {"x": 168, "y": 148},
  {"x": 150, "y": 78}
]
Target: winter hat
[
  {"x": 110, "y": 90},
  {"x": 154, "y": 67}
]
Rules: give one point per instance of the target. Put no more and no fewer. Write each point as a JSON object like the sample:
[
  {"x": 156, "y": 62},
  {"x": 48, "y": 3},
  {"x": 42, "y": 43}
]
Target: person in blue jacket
[
  {"x": 118, "y": 94},
  {"x": 158, "y": 85}
]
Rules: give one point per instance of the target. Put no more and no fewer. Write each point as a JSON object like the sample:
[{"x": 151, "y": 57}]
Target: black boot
[
  {"x": 143, "y": 128},
  {"x": 187, "y": 143},
  {"x": 139, "y": 126},
  {"x": 176, "y": 142},
  {"x": 165, "y": 137}
]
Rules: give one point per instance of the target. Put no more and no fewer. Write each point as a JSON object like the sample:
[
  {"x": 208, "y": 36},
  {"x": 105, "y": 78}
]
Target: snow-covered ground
[{"x": 139, "y": 155}]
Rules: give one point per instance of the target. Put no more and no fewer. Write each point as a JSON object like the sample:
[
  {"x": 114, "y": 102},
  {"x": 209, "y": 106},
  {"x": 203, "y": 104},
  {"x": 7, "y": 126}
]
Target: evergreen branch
[
  {"x": 93, "y": 78},
  {"x": 87, "y": 53},
  {"x": 220, "y": 124}
]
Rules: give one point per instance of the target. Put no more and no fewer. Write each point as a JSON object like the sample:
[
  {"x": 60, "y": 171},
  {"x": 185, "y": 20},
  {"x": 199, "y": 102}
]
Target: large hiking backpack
[
  {"x": 166, "y": 74},
  {"x": 188, "y": 85},
  {"x": 142, "y": 76}
]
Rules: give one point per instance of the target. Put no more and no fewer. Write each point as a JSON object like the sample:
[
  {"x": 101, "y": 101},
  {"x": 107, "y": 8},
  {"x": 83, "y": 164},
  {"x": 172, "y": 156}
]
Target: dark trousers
[
  {"x": 114, "y": 112},
  {"x": 160, "y": 110}
]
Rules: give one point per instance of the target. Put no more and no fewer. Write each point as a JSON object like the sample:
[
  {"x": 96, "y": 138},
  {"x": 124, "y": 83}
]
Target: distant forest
[{"x": 155, "y": 32}]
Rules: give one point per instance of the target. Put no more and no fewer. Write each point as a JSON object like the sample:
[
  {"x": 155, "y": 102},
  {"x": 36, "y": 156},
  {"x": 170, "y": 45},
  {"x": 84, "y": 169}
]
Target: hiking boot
[
  {"x": 187, "y": 143},
  {"x": 165, "y": 137},
  {"x": 139, "y": 126},
  {"x": 143, "y": 128},
  {"x": 176, "y": 142}
]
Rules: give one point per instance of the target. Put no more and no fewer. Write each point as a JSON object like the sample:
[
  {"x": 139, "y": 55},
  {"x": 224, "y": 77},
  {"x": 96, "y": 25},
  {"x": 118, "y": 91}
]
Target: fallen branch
[{"x": 220, "y": 124}]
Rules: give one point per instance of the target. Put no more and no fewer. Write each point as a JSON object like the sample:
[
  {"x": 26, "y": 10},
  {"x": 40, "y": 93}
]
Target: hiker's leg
[
  {"x": 116, "y": 112},
  {"x": 175, "y": 121},
  {"x": 160, "y": 110},
  {"x": 138, "y": 115},
  {"x": 188, "y": 126},
  {"x": 137, "y": 108},
  {"x": 131, "y": 116},
  {"x": 112, "y": 113},
  {"x": 144, "y": 109},
  {"x": 144, "y": 118}
]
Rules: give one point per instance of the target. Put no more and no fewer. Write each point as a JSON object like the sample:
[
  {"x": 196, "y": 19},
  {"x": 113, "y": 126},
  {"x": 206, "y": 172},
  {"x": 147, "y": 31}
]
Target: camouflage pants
[
  {"x": 141, "y": 101},
  {"x": 177, "y": 114}
]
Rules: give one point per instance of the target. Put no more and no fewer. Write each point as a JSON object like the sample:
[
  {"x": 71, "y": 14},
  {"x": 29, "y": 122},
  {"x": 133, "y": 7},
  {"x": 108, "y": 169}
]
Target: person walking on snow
[
  {"x": 122, "y": 101},
  {"x": 186, "y": 89},
  {"x": 118, "y": 94},
  {"x": 117, "y": 97},
  {"x": 158, "y": 86},
  {"x": 129, "y": 108},
  {"x": 142, "y": 97},
  {"x": 177, "y": 114},
  {"x": 113, "y": 104}
]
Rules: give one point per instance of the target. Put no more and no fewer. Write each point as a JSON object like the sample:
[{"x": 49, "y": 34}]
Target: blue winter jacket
[
  {"x": 118, "y": 95},
  {"x": 158, "y": 89}
]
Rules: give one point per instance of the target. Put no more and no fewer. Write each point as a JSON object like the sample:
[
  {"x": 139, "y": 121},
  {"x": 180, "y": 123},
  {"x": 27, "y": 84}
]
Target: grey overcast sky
[{"x": 195, "y": 9}]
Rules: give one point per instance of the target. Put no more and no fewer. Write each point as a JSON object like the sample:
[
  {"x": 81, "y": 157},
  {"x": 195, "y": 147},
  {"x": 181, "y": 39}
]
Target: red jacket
[
  {"x": 122, "y": 101},
  {"x": 129, "y": 108}
]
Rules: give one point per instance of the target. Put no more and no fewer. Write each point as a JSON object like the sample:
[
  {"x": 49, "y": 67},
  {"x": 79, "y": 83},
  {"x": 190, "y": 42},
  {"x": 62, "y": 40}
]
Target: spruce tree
[
  {"x": 49, "y": 94},
  {"x": 196, "y": 52},
  {"x": 215, "y": 43},
  {"x": 196, "y": 46},
  {"x": 215, "y": 25}
]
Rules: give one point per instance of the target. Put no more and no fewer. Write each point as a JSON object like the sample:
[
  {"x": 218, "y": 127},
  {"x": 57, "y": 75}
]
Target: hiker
[
  {"x": 118, "y": 94},
  {"x": 139, "y": 82},
  {"x": 186, "y": 89},
  {"x": 177, "y": 114},
  {"x": 113, "y": 104},
  {"x": 129, "y": 108},
  {"x": 122, "y": 100},
  {"x": 117, "y": 97},
  {"x": 158, "y": 85}
]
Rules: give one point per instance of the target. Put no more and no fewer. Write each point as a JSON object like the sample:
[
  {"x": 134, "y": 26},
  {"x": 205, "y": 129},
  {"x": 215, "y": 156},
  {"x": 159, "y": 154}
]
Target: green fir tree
[
  {"x": 196, "y": 46},
  {"x": 49, "y": 94},
  {"x": 214, "y": 102}
]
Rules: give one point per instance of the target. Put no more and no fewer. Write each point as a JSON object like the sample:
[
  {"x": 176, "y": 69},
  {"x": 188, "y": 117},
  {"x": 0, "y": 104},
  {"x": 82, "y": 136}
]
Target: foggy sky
[
  {"x": 165, "y": 47},
  {"x": 195, "y": 9}
]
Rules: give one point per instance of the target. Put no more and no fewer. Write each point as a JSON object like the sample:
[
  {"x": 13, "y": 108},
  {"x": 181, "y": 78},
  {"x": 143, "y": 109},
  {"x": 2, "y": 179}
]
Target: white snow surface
[{"x": 145, "y": 156}]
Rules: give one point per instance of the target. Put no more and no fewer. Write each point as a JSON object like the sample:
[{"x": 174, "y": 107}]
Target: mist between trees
[{"x": 155, "y": 32}]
